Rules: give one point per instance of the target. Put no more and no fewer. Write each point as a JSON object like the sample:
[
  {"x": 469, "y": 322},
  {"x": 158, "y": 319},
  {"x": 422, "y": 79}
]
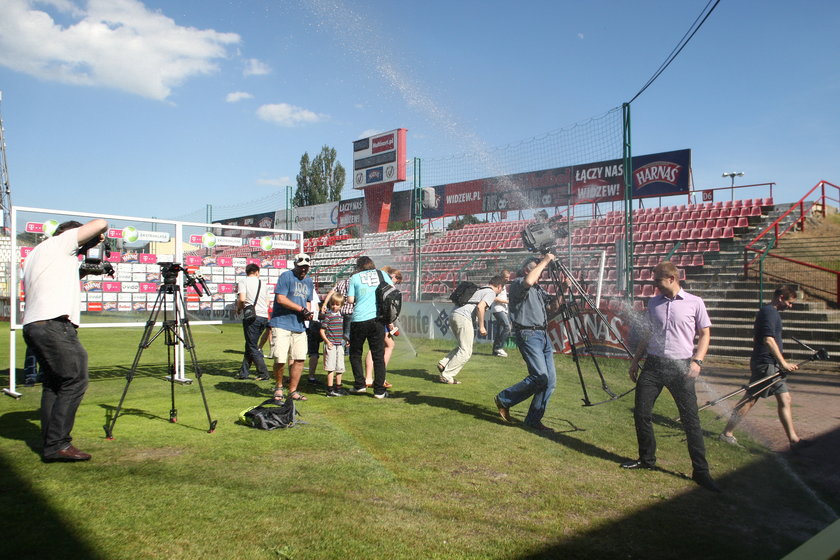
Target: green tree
[{"x": 319, "y": 180}]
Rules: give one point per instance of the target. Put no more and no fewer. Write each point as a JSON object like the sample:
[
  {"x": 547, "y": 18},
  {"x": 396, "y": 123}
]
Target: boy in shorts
[{"x": 332, "y": 335}]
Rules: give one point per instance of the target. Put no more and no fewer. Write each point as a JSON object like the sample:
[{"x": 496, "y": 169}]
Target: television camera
[
  {"x": 542, "y": 235},
  {"x": 170, "y": 270},
  {"x": 95, "y": 251}
]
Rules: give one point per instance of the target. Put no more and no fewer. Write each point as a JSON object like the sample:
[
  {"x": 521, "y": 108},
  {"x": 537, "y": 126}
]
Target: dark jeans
[
  {"x": 64, "y": 363},
  {"x": 253, "y": 355},
  {"x": 374, "y": 332},
  {"x": 502, "y": 330},
  {"x": 656, "y": 374}
]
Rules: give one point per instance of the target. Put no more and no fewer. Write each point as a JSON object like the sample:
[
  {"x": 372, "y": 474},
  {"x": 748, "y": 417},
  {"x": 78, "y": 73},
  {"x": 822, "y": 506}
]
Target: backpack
[
  {"x": 388, "y": 301},
  {"x": 464, "y": 291},
  {"x": 269, "y": 415}
]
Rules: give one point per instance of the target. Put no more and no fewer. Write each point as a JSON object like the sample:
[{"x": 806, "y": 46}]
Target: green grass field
[{"x": 431, "y": 473}]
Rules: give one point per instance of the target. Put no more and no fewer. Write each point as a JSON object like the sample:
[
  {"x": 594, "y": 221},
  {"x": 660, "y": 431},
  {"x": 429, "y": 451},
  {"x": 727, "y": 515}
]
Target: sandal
[
  {"x": 278, "y": 394},
  {"x": 387, "y": 385},
  {"x": 442, "y": 379},
  {"x": 295, "y": 396}
]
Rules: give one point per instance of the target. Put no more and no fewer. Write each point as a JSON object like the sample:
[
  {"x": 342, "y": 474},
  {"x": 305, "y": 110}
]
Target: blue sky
[{"x": 159, "y": 107}]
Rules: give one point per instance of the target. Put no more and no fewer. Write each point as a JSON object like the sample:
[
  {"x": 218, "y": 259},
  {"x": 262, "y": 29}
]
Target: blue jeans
[
  {"x": 253, "y": 330},
  {"x": 538, "y": 354},
  {"x": 501, "y": 321},
  {"x": 658, "y": 373},
  {"x": 64, "y": 363}
]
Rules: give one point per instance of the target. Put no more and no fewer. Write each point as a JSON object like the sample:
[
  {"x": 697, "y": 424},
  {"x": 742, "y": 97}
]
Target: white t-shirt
[
  {"x": 487, "y": 295},
  {"x": 501, "y": 307},
  {"x": 51, "y": 279},
  {"x": 249, "y": 286}
]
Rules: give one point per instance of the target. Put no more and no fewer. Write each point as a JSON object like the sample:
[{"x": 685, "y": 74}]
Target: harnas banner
[{"x": 661, "y": 174}]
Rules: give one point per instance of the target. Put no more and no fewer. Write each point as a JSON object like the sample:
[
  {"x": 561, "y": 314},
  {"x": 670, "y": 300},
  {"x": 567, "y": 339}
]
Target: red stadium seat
[
  {"x": 728, "y": 233},
  {"x": 697, "y": 260},
  {"x": 648, "y": 290},
  {"x": 702, "y": 246},
  {"x": 714, "y": 246}
]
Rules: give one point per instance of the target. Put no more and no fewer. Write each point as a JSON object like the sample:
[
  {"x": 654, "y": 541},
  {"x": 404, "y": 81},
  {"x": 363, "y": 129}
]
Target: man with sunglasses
[{"x": 674, "y": 318}]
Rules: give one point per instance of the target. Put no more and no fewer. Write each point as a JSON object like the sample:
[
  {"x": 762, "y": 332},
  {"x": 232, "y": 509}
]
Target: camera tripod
[
  {"x": 176, "y": 330},
  {"x": 570, "y": 314}
]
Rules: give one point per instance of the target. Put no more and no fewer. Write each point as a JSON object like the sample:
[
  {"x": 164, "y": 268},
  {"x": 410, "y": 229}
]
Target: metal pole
[{"x": 628, "y": 202}]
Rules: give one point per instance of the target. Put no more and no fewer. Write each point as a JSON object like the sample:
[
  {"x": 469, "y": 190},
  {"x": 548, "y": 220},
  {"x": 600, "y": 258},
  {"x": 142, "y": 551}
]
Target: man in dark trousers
[
  {"x": 674, "y": 318},
  {"x": 766, "y": 360},
  {"x": 50, "y": 320}
]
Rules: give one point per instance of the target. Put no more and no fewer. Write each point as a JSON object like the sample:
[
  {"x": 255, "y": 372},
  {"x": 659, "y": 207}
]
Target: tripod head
[{"x": 170, "y": 270}]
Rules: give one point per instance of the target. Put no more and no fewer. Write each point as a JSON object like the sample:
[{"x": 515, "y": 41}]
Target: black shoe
[
  {"x": 705, "y": 480},
  {"x": 637, "y": 464},
  {"x": 313, "y": 381},
  {"x": 385, "y": 395},
  {"x": 342, "y": 391},
  {"x": 263, "y": 378},
  {"x": 241, "y": 376},
  {"x": 29, "y": 381}
]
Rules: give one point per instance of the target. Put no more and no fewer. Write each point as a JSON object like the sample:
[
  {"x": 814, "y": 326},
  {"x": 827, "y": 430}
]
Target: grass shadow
[{"x": 23, "y": 426}]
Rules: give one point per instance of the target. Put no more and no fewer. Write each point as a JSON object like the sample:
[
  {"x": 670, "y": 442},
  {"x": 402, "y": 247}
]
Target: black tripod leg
[
  {"x": 189, "y": 345},
  {"x": 145, "y": 341},
  {"x": 572, "y": 345}
]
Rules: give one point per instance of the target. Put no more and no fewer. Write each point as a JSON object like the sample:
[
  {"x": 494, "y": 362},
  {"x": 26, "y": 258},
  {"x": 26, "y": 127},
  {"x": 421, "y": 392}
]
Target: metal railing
[{"x": 820, "y": 281}]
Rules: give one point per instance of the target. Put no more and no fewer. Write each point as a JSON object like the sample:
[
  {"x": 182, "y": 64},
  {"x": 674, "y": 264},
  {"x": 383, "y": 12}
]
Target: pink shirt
[{"x": 674, "y": 324}]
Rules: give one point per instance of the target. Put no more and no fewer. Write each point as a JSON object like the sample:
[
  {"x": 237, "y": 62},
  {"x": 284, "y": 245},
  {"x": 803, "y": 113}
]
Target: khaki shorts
[{"x": 288, "y": 345}]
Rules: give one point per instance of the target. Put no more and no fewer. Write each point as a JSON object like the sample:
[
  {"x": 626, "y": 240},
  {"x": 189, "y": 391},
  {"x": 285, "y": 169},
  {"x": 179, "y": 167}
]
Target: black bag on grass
[{"x": 270, "y": 415}]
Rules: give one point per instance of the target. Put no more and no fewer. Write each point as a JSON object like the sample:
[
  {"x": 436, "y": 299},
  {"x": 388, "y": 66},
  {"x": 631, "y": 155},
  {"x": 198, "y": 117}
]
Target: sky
[{"x": 161, "y": 107}]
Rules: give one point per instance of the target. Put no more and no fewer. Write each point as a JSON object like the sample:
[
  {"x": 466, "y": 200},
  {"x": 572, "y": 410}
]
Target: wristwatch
[{"x": 696, "y": 361}]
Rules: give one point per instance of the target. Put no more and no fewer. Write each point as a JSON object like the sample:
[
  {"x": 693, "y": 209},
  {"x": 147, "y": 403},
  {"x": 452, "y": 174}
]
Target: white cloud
[
  {"x": 288, "y": 115},
  {"x": 580, "y": 36},
  {"x": 119, "y": 44},
  {"x": 368, "y": 133},
  {"x": 237, "y": 96},
  {"x": 278, "y": 182},
  {"x": 254, "y": 67}
]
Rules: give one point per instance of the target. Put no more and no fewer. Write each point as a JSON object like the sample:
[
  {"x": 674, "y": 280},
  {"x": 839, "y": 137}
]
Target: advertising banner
[
  {"x": 659, "y": 174},
  {"x": 431, "y": 320},
  {"x": 350, "y": 212},
  {"x": 316, "y": 217}
]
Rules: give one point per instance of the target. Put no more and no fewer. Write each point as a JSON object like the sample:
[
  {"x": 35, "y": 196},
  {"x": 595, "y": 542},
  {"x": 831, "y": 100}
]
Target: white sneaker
[
  {"x": 501, "y": 353},
  {"x": 731, "y": 440}
]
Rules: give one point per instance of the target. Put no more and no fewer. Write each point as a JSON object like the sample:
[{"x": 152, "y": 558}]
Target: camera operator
[
  {"x": 529, "y": 308},
  {"x": 51, "y": 317}
]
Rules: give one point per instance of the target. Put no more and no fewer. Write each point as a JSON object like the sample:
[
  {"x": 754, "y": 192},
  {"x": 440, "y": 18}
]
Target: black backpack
[
  {"x": 464, "y": 291},
  {"x": 269, "y": 415},
  {"x": 388, "y": 301}
]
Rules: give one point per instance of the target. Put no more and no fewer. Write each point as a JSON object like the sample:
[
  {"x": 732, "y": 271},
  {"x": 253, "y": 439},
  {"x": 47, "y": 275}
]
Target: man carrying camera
[
  {"x": 529, "y": 308},
  {"x": 50, "y": 320},
  {"x": 293, "y": 293}
]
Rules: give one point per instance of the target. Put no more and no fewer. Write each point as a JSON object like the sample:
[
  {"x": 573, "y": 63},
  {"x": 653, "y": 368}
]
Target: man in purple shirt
[{"x": 674, "y": 317}]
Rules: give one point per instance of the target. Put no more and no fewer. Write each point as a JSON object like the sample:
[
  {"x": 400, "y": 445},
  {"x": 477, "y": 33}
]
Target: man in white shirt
[
  {"x": 461, "y": 323},
  {"x": 50, "y": 320},
  {"x": 501, "y": 319},
  {"x": 253, "y": 291}
]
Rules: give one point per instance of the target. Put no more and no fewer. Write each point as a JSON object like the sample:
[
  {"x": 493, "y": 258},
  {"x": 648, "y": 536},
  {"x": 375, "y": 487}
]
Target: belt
[
  {"x": 519, "y": 327},
  {"x": 62, "y": 319}
]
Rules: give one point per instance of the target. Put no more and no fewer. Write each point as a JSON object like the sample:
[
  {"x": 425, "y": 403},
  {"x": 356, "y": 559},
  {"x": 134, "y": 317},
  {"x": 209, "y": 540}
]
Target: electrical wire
[{"x": 695, "y": 27}]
